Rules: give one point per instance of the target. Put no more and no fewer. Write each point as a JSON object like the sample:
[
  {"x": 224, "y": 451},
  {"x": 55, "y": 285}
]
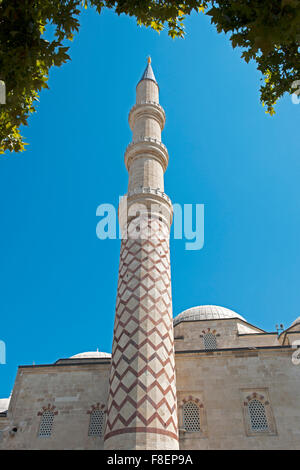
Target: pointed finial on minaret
[
  {"x": 153, "y": 424},
  {"x": 148, "y": 73}
]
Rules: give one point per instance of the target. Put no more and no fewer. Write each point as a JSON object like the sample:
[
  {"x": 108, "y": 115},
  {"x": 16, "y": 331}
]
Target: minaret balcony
[
  {"x": 149, "y": 109},
  {"x": 155, "y": 202},
  {"x": 149, "y": 191},
  {"x": 147, "y": 147}
]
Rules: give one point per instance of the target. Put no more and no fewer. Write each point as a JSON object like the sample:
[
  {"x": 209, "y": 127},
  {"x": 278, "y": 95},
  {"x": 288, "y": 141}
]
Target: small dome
[
  {"x": 91, "y": 354},
  {"x": 295, "y": 322},
  {"x": 4, "y": 404},
  {"x": 206, "y": 312}
]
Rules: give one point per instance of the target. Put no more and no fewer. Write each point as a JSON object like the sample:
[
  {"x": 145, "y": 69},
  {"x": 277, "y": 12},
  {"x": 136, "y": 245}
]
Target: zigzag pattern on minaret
[{"x": 142, "y": 405}]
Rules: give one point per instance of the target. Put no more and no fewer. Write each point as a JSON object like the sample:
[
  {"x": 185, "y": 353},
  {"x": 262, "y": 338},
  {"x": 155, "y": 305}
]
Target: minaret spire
[
  {"x": 142, "y": 404},
  {"x": 148, "y": 73}
]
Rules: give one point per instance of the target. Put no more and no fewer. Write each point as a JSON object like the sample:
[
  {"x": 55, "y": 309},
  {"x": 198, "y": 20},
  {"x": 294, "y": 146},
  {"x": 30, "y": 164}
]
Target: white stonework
[
  {"x": 219, "y": 381},
  {"x": 236, "y": 386},
  {"x": 142, "y": 403}
]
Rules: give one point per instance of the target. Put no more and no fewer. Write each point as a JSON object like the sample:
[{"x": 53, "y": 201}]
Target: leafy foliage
[
  {"x": 268, "y": 31},
  {"x": 26, "y": 57}
]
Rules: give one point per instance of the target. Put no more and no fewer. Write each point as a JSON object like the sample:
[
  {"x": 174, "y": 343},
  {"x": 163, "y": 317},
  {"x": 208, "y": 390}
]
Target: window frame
[
  {"x": 49, "y": 410},
  {"x": 211, "y": 335},
  {"x": 184, "y": 419},
  {"x": 197, "y": 398},
  {"x": 252, "y": 416},
  {"x": 101, "y": 409},
  {"x": 261, "y": 395}
]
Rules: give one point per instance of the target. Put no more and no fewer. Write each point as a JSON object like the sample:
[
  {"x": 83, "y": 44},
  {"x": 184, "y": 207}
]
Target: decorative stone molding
[
  {"x": 49, "y": 407},
  {"x": 149, "y": 191},
  {"x": 147, "y": 146},
  {"x": 190, "y": 398},
  {"x": 98, "y": 406},
  {"x": 208, "y": 330},
  {"x": 151, "y": 199},
  {"x": 254, "y": 395},
  {"x": 146, "y": 139},
  {"x": 147, "y": 109}
]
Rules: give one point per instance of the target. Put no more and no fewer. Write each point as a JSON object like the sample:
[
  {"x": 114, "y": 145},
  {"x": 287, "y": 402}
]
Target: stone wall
[
  {"x": 72, "y": 390},
  {"x": 222, "y": 381},
  {"x": 230, "y": 333}
]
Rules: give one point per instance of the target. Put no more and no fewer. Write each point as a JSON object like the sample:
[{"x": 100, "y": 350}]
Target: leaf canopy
[{"x": 267, "y": 31}]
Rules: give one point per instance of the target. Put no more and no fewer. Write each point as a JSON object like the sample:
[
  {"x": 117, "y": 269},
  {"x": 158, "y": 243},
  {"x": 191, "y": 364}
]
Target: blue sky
[{"x": 57, "y": 280}]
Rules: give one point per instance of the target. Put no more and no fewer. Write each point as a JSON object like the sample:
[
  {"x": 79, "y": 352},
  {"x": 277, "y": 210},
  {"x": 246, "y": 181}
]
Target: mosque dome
[
  {"x": 206, "y": 312},
  {"x": 91, "y": 354},
  {"x": 295, "y": 322},
  {"x": 4, "y": 404}
]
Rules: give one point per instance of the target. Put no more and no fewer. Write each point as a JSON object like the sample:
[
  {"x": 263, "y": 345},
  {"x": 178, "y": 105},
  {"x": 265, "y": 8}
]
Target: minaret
[{"x": 142, "y": 406}]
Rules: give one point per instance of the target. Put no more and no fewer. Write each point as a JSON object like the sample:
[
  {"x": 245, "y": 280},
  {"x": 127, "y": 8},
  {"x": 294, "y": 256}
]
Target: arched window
[
  {"x": 258, "y": 417},
  {"x": 46, "y": 423},
  {"x": 96, "y": 427},
  {"x": 210, "y": 341},
  {"x": 191, "y": 417}
]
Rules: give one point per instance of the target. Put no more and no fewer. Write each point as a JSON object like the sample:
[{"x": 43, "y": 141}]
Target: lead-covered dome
[
  {"x": 206, "y": 312},
  {"x": 295, "y": 322},
  {"x": 4, "y": 404},
  {"x": 91, "y": 354}
]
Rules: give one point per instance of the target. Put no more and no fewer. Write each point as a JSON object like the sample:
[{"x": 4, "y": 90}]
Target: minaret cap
[{"x": 148, "y": 73}]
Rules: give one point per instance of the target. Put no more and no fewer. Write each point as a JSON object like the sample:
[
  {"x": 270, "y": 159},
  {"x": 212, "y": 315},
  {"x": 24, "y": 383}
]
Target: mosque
[{"x": 207, "y": 379}]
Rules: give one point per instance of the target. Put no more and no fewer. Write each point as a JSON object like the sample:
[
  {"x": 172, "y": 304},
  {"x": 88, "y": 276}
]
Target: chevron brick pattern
[{"x": 142, "y": 396}]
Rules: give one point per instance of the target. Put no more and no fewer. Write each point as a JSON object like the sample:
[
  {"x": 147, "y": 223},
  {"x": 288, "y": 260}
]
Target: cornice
[
  {"x": 147, "y": 146},
  {"x": 148, "y": 109}
]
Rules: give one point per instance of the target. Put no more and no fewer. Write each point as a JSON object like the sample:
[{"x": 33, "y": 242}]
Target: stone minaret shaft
[{"x": 142, "y": 407}]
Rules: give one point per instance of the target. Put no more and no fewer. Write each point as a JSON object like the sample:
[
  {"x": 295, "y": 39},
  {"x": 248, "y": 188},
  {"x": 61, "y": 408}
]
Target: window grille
[
  {"x": 258, "y": 418},
  {"x": 210, "y": 341},
  {"x": 46, "y": 424},
  {"x": 96, "y": 423},
  {"x": 191, "y": 417}
]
